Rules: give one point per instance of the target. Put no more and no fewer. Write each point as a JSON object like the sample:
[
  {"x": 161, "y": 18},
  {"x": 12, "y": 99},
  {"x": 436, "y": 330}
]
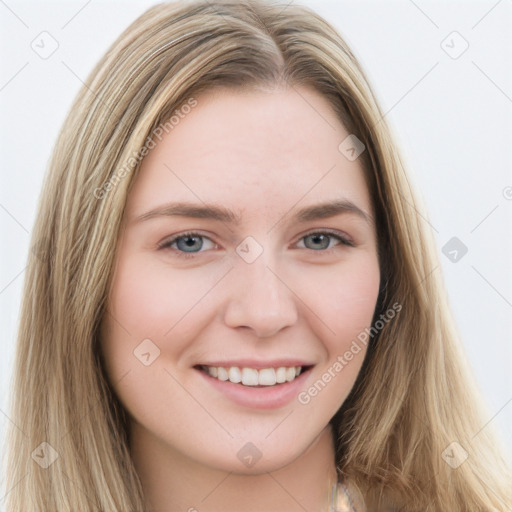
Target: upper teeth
[{"x": 254, "y": 377}]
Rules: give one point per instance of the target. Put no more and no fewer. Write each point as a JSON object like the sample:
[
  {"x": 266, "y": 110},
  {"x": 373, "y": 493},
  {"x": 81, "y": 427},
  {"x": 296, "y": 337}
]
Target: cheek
[
  {"x": 342, "y": 305},
  {"x": 344, "y": 298},
  {"x": 149, "y": 321},
  {"x": 151, "y": 299},
  {"x": 144, "y": 304}
]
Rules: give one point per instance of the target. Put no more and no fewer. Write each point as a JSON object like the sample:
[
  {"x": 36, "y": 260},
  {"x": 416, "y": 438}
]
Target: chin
[{"x": 251, "y": 460}]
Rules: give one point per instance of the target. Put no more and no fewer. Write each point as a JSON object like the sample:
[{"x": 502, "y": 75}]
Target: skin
[{"x": 264, "y": 154}]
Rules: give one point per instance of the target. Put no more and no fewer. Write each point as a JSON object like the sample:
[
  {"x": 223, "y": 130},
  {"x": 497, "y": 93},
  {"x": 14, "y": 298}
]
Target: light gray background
[{"x": 453, "y": 117}]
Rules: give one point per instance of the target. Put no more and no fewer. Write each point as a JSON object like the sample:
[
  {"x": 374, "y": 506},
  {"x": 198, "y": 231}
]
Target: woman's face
[{"x": 248, "y": 242}]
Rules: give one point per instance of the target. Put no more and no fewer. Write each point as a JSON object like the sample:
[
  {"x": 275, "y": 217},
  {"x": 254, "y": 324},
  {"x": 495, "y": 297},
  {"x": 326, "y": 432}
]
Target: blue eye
[
  {"x": 322, "y": 240},
  {"x": 187, "y": 243}
]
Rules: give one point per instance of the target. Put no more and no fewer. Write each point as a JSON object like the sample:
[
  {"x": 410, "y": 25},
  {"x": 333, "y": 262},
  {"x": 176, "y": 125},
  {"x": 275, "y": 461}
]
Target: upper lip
[{"x": 258, "y": 364}]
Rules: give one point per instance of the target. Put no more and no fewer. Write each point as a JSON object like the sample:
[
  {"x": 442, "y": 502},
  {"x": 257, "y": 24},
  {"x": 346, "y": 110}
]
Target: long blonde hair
[{"x": 413, "y": 398}]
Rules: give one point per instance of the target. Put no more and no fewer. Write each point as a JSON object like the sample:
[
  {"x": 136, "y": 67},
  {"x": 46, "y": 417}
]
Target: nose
[{"x": 259, "y": 300}]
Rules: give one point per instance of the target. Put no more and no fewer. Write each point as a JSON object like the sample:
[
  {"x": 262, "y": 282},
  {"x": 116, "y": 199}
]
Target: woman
[{"x": 276, "y": 341}]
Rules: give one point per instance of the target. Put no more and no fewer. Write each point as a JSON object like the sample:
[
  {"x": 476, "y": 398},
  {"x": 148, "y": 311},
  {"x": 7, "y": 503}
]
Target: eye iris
[
  {"x": 317, "y": 238},
  {"x": 189, "y": 243}
]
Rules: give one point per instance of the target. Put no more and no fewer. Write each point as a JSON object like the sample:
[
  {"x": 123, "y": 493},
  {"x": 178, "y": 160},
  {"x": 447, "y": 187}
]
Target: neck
[{"x": 171, "y": 481}]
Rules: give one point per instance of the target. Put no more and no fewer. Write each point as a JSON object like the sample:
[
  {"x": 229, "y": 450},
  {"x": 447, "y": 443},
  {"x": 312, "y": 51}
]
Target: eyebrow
[{"x": 222, "y": 214}]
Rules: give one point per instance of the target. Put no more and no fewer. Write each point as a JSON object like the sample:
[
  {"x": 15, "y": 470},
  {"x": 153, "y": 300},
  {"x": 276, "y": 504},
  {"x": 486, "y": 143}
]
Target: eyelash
[{"x": 182, "y": 254}]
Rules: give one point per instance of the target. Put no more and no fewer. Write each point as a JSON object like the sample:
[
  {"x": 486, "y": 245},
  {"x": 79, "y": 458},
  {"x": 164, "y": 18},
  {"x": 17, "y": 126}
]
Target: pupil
[
  {"x": 320, "y": 241},
  {"x": 189, "y": 242}
]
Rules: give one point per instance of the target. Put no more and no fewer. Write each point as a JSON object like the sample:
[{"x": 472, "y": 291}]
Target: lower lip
[{"x": 270, "y": 397}]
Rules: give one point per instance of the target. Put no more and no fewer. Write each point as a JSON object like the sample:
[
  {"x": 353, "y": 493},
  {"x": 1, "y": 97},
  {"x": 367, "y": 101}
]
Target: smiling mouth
[{"x": 252, "y": 377}]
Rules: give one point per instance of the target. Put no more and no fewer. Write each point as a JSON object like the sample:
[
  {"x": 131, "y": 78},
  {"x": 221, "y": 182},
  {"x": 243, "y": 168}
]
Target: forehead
[{"x": 254, "y": 151}]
